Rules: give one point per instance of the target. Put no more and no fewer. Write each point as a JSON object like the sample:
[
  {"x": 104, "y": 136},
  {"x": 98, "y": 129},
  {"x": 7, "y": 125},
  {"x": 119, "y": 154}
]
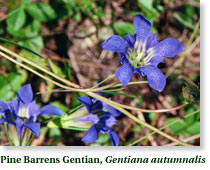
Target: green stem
[
  {"x": 7, "y": 134},
  {"x": 108, "y": 78},
  {"x": 132, "y": 83},
  {"x": 111, "y": 90},
  {"x": 162, "y": 128}
]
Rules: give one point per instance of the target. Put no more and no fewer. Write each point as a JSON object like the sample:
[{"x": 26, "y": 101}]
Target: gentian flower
[
  {"x": 141, "y": 53},
  {"x": 102, "y": 117},
  {"x": 23, "y": 112}
]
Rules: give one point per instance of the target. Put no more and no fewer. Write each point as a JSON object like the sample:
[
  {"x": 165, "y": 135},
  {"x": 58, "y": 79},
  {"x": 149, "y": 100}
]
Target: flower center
[
  {"x": 138, "y": 56},
  {"x": 23, "y": 113}
]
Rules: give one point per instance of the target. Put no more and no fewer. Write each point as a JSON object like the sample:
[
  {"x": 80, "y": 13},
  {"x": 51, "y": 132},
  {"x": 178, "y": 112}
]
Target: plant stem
[
  {"x": 108, "y": 78},
  {"x": 7, "y": 134},
  {"x": 132, "y": 83}
]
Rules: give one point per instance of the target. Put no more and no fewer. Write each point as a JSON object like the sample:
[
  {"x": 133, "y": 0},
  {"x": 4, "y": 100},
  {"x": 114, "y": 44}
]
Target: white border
[{"x": 102, "y": 152}]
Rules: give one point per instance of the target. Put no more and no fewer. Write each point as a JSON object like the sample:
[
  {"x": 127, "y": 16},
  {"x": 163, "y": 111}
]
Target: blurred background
[{"x": 68, "y": 35}]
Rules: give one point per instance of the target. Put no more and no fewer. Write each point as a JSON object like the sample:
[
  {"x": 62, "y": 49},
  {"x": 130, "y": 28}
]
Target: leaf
[
  {"x": 123, "y": 28},
  {"x": 56, "y": 69},
  {"x": 11, "y": 31},
  {"x": 25, "y": 2},
  {"x": 183, "y": 21},
  {"x": 41, "y": 11},
  {"x": 148, "y": 9},
  {"x": 178, "y": 127},
  {"x": 102, "y": 139},
  {"x": 54, "y": 133},
  {"x": 194, "y": 128},
  {"x": 35, "y": 43},
  {"x": 189, "y": 127},
  {"x": 77, "y": 16},
  {"x": 35, "y": 26},
  {"x": 34, "y": 58},
  {"x": 137, "y": 128},
  {"x": 17, "y": 19},
  {"x": 9, "y": 85},
  {"x": 75, "y": 102}
]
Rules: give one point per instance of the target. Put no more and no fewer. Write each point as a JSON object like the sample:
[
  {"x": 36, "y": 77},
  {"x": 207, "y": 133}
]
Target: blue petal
[
  {"x": 108, "y": 120},
  {"x": 123, "y": 58},
  {"x": 3, "y": 105},
  {"x": 33, "y": 109},
  {"x": 25, "y": 94},
  {"x": 90, "y": 118},
  {"x": 91, "y": 135},
  {"x": 33, "y": 127},
  {"x": 155, "y": 77},
  {"x": 156, "y": 60},
  {"x": 114, "y": 112},
  {"x": 50, "y": 110},
  {"x": 3, "y": 108},
  {"x": 97, "y": 105},
  {"x": 19, "y": 127},
  {"x": 124, "y": 73},
  {"x": 151, "y": 41},
  {"x": 130, "y": 40},
  {"x": 14, "y": 106},
  {"x": 142, "y": 28},
  {"x": 168, "y": 48},
  {"x": 116, "y": 44},
  {"x": 3, "y": 120},
  {"x": 11, "y": 112},
  {"x": 87, "y": 102},
  {"x": 114, "y": 138}
]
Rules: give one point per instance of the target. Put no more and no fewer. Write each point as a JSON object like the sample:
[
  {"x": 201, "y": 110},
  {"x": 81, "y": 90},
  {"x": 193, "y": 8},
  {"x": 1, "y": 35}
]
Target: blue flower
[
  {"x": 23, "y": 112},
  {"x": 141, "y": 53},
  {"x": 102, "y": 117}
]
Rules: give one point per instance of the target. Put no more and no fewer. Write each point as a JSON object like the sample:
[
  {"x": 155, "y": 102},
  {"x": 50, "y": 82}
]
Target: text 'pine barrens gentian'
[
  {"x": 141, "y": 53},
  {"x": 22, "y": 114}
]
